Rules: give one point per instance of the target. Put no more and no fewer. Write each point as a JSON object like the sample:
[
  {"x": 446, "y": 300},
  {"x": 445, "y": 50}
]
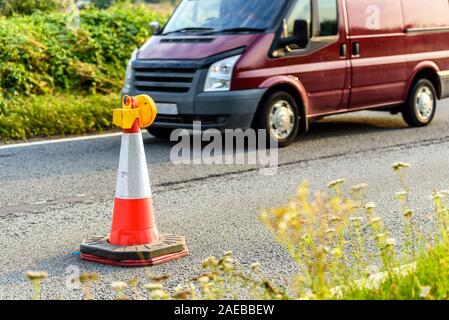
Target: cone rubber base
[{"x": 168, "y": 248}]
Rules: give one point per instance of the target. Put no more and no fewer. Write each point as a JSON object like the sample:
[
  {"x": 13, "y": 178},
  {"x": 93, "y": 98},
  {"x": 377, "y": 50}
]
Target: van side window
[
  {"x": 302, "y": 10},
  {"x": 327, "y": 15}
]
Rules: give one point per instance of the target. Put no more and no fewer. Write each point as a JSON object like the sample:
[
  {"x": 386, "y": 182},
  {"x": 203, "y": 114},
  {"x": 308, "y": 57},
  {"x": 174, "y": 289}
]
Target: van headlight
[
  {"x": 129, "y": 69},
  {"x": 220, "y": 75}
]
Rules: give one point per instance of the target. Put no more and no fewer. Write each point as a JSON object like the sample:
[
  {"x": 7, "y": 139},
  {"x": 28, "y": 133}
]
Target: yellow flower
[
  {"x": 36, "y": 276},
  {"x": 408, "y": 214},
  {"x": 398, "y": 166},
  {"x": 369, "y": 206}
]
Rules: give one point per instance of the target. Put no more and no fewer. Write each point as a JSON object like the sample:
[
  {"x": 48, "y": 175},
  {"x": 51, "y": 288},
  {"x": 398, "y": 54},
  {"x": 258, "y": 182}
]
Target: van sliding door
[{"x": 378, "y": 53}]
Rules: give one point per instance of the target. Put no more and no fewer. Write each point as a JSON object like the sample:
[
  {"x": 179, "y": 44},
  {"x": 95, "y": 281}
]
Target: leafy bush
[
  {"x": 10, "y": 7},
  {"x": 51, "y": 115},
  {"x": 39, "y": 54}
]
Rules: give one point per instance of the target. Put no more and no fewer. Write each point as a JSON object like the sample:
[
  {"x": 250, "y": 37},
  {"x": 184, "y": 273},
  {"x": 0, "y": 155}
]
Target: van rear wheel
[
  {"x": 421, "y": 104},
  {"x": 279, "y": 115}
]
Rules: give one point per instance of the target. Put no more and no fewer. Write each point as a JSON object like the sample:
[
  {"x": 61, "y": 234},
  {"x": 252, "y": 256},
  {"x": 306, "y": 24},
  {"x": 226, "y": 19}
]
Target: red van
[{"x": 278, "y": 64}]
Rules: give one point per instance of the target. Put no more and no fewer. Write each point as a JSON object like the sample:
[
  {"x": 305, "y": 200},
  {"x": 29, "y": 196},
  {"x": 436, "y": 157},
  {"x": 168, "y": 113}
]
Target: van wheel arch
[
  {"x": 429, "y": 74},
  {"x": 304, "y": 124}
]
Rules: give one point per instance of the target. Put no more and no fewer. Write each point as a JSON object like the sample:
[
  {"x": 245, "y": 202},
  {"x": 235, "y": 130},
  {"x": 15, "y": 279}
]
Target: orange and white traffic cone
[{"x": 134, "y": 240}]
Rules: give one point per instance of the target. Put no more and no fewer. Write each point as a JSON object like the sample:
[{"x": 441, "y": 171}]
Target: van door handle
[
  {"x": 343, "y": 50},
  {"x": 356, "y": 49}
]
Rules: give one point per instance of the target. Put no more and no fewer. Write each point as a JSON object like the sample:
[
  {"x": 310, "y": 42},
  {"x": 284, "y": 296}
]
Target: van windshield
[{"x": 215, "y": 16}]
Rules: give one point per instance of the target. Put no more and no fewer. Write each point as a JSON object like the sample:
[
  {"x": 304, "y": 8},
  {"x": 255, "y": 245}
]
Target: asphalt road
[{"x": 52, "y": 196}]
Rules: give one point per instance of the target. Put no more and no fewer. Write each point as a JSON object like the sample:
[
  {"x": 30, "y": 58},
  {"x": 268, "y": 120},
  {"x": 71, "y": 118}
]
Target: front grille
[{"x": 170, "y": 80}]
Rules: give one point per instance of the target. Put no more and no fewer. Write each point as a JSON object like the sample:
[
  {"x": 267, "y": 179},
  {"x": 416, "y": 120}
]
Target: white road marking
[{"x": 62, "y": 140}]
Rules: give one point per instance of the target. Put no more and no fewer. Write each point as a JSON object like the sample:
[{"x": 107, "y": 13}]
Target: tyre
[
  {"x": 162, "y": 133},
  {"x": 421, "y": 105},
  {"x": 279, "y": 115}
]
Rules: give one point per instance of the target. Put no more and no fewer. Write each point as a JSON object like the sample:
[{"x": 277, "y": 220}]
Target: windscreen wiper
[
  {"x": 240, "y": 29},
  {"x": 192, "y": 29}
]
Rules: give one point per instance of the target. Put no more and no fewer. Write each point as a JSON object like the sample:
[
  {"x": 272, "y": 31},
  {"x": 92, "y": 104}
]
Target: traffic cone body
[
  {"x": 134, "y": 239},
  {"x": 133, "y": 222}
]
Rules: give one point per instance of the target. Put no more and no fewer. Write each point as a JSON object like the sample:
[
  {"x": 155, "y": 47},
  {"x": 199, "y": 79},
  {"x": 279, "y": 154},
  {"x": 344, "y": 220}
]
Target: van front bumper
[{"x": 218, "y": 110}]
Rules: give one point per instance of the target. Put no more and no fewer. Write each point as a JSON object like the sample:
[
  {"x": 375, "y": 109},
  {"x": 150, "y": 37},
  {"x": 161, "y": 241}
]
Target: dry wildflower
[
  {"x": 228, "y": 253},
  {"x": 401, "y": 196},
  {"x": 390, "y": 242},
  {"x": 159, "y": 295},
  {"x": 210, "y": 261},
  {"x": 203, "y": 279},
  {"x": 335, "y": 184},
  {"x": 119, "y": 285},
  {"x": 183, "y": 294},
  {"x": 438, "y": 196},
  {"x": 89, "y": 277},
  {"x": 356, "y": 220},
  {"x": 369, "y": 206},
  {"x": 228, "y": 267},
  {"x": 359, "y": 187},
  {"x": 255, "y": 267},
  {"x": 375, "y": 220},
  {"x": 334, "y": 218},
  {"x": 380, "y": 236},
  {"x": 153, "y": 286},
  {"x": 160, "y": 278},
  {"x": 133, "y": 282},
  {"x": 398, "y": 166},
  {"x": 336, "y": 252},
  {"x": 211, "y": 276},
  {"x": 372, "y": 269}
]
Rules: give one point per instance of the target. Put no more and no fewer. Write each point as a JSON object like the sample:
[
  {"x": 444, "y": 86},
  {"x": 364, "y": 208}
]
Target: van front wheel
[
  {"x": 280, "y": 117},
  {"x": 421, "y": 104}
]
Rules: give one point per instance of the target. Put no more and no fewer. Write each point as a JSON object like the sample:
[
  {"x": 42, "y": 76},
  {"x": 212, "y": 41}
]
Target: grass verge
[{"x": 55, "y": 115}]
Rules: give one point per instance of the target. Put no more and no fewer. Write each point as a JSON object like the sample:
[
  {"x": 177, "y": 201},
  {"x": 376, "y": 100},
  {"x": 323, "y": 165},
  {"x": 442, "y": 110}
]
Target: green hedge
[
  {"x": 56, "y": 115},
  {"x": 10, "y": 7},
  {"x": 40, "y": 55}
]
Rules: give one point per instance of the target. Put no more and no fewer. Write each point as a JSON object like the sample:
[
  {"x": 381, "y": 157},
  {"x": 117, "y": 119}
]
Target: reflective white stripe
[{"x": 132, "y": 181}]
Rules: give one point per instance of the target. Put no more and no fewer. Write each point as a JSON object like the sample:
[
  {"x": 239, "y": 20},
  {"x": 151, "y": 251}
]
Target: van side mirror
[
  {"x": 300, "y": 35},
  {"x": 155, "y": 27}
]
